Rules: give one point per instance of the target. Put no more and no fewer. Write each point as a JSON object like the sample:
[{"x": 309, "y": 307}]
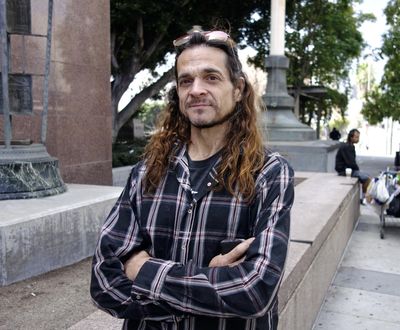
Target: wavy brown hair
[{"x": 243, "y": 152}]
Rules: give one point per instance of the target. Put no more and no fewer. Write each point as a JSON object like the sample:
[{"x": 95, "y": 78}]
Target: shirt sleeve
[
  {"x": 119, "y": 238},
  {"x": 247, "y": 290}
]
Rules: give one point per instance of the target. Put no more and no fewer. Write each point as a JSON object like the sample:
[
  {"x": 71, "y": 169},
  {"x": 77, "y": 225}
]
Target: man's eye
[
  {"x": 212, "y": 77},
  {"x": 185, "y": 82}
]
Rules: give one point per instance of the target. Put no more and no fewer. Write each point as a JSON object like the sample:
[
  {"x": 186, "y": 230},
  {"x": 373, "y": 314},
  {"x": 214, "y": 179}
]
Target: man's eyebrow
[
  {"x": 205, "y": 70},
  {"x": 212, "y": 70},
  {"x": 184, "y": 75}
]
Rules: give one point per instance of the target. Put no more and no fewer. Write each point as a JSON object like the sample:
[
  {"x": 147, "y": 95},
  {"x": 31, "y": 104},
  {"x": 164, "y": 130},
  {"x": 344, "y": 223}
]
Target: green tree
[
  {"x": 322, "y": 39},
  {"x": 148, "y": 113},
  {"x": 324, "y": 42},
  {"x": 141, "y": 36},
  {"x": 384, "y": 100}
]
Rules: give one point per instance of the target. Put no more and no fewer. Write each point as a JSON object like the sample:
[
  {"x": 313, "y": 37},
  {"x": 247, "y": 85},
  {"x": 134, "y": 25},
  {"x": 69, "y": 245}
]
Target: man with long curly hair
[{"x": 206, "y": 183}]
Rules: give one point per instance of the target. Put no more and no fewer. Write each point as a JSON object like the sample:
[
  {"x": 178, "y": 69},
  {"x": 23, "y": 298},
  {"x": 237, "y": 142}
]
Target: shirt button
[
  {"x": 138, "y": 297},
  {"x": 208, "y": 184},
  {"x": 190, "y": 211}
]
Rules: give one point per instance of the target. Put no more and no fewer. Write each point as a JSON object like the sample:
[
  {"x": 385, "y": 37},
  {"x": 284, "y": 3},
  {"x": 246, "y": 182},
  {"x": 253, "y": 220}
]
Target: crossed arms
[{"x": 130, "y": 283}]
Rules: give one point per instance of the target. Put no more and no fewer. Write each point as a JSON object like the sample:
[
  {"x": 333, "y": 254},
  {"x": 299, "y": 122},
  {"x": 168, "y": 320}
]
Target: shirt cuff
[{"x": 151, "y": 277}]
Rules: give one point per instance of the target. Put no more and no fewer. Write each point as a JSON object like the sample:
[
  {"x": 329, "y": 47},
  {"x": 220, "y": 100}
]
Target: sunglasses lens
[
  {"x": 181, "y": 41},
  {"x": 216, "y": 35},
  {"x": 209, "y": 35}
]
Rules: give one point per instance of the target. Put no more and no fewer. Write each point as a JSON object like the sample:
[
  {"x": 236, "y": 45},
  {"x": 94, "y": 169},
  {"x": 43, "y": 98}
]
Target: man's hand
[
  {"x": 134, "y": 263},
  {"x": 232, "y": 258}
]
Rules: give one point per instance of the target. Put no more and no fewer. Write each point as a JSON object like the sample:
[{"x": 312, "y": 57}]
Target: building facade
[{"x": 79, "y": 123}]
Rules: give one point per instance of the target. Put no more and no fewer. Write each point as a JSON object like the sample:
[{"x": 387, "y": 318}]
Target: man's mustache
[{"x": 199, "y": 102}]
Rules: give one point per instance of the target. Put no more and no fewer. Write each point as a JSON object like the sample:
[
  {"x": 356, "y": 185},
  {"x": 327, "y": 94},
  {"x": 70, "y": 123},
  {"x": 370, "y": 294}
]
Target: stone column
[{"x": 279, "y": 121}]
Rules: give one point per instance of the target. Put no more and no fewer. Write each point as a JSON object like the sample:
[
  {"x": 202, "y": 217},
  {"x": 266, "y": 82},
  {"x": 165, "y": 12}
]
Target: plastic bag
[
  {"x": 371, "y": 190},
  {"x": 382, "y": 193},
  {"x": 378, "y": 191}
]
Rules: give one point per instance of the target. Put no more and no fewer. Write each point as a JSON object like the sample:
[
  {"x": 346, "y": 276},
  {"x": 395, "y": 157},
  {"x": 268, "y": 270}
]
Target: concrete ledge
[
  {"x": 324, "y": 214},
  {"x": 120, "y": 175},
  {"x": 39, "y": 235}
]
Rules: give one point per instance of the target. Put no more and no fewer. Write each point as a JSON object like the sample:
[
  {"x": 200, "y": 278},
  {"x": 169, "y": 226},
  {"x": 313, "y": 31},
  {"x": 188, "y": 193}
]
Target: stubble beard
[{"x": 216, "y": 122}]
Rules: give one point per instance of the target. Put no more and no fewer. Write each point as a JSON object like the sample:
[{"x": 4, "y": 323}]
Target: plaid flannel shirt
[{"x": 176, "y": 289}]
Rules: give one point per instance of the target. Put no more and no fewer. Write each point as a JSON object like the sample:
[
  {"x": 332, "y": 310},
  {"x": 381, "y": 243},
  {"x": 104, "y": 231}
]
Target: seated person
[
  {"x": 335, "y": 134},
  {"x": 346, "y": 158}
]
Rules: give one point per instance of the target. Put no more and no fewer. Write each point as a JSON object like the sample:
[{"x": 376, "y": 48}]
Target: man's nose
[{"x": 197, "y": 88}]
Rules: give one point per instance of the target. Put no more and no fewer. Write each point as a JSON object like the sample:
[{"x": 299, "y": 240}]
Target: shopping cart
[{"x": 389, "y": 205}]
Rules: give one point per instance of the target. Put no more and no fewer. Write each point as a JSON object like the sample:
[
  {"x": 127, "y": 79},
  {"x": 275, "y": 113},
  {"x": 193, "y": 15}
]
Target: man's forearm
[{"x": 136, "y": 261}]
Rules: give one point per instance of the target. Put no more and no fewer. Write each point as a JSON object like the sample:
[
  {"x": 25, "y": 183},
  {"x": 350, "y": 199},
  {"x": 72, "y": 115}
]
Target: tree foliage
[
  {"x": 321, "y": 40},
  {"x": 321, "y": 47},
  {"x": 384, "y": 100},
  {"x": 142, "y": 32}
]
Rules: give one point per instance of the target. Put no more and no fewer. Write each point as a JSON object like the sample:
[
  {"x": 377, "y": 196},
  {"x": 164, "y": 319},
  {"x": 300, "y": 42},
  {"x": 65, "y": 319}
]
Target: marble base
[{"x": 29, "y": 172}]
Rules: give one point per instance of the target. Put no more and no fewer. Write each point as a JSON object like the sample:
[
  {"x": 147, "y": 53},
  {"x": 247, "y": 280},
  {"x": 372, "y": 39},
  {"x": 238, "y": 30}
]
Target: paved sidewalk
[
  {"x": 56, "y": 300},
  {"x": 365, "y": 293}
]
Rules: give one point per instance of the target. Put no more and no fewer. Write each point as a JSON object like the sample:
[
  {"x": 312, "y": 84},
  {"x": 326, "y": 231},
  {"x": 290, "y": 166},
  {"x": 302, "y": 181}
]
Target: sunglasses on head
[{"x": 209, "y": 35}]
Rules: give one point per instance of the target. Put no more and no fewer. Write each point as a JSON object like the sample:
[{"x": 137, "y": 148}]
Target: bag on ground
[{"x": 378, "y": 191}]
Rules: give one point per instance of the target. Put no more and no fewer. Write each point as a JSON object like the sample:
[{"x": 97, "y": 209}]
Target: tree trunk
[{"x": 121, "y": 117}]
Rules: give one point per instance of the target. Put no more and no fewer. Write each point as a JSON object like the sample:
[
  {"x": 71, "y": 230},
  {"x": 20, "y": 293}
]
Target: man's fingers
[
  {"x": 237, "y": 262},
  {"x": 234, "y": 257},
  {"x": 238, "y": 251},
  {"x": 236, "y": 254}
]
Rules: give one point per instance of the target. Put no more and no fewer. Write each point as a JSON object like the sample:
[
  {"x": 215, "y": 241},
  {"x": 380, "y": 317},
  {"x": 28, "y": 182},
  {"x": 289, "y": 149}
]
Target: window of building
[{"x": 19, "y": 16}]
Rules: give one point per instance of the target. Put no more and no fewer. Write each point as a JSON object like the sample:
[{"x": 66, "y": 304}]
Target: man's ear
[{"x": 239, "y": 89}]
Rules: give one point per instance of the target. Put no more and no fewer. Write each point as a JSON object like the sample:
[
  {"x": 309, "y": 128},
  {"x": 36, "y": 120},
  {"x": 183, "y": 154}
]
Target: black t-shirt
[{"x": 199, "y": 170}]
